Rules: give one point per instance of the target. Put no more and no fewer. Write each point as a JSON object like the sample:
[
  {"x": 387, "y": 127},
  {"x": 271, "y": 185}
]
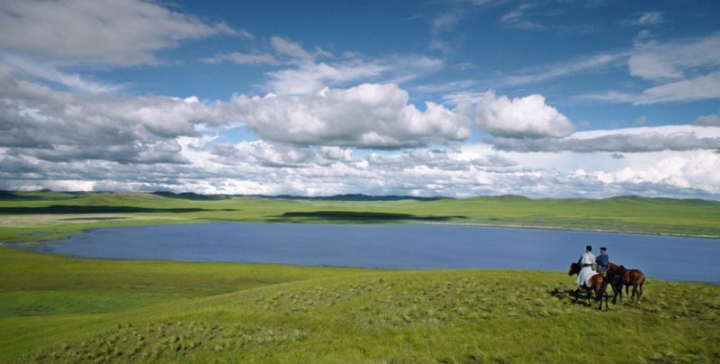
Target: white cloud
[
  {"x": 650, "y": 18},
  {"x": 522, "y": 117},
  {"x": 52, "y": 125},
  {"x": 291, "y": 49},
  {"x": 50, "y": 72},
  {"x": 697, "y": 172},
  {"x": 708, "y": 120},
  {"x": 369, "y": 116},
  {"x": 663, "y": 61},
  {"x": 311, "y": 77},
  {"x": 277, "y": 155},
  {"x": 104, "y": 31},
  {"x": 518, "y": 18},
  {"x": 540, "y": 74},
  {"x": 440, "y": 26},
  {"x": 243, "y": 58},
  {"x": 628, "y": 140},
  {"x": 698, "y": 88},
  {"x": 444, "y": 87}
]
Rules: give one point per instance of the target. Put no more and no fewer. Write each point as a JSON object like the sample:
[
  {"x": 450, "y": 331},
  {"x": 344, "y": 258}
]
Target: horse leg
[
  {"x": 599, "y": 296},
  {"x": 634, "y": 292},
  {"x": 589, "y": 295},
  {"x": 616, "y": 292}
]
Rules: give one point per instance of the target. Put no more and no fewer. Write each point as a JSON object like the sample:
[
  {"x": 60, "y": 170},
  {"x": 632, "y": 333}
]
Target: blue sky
[{"x": 457, "y": 98}]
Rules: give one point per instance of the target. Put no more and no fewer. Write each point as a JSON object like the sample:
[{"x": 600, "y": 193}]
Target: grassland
[
  {"x": 58, "y": 309},
  {"x": 36, "y": 216}
]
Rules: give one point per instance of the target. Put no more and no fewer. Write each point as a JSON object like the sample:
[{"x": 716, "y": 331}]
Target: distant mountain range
[{"x": 46, "y": 194}]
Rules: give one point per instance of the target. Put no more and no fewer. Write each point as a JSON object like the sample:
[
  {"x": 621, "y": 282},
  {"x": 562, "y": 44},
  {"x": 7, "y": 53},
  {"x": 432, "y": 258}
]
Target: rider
[
  {"x": 603, "y": 260},
  {"x": 586, "y": 263}
]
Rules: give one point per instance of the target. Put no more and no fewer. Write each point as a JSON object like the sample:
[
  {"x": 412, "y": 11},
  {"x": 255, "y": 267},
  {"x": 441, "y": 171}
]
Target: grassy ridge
[
  {"x": 34, "y": 217},
  {"x": 199, "y": 312}
]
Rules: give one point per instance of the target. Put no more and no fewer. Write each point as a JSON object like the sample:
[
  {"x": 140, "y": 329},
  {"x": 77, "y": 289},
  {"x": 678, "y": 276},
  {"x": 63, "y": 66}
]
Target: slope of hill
[{"x": 70, "y": 310}]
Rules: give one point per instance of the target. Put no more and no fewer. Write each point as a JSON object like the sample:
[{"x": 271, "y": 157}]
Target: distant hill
[
  {"x": 355, "y": 197},
  {"x": 46, "y": 194}
]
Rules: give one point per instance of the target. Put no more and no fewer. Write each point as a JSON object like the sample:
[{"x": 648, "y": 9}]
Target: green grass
[
  {"x": 35, "y": 218},
  {"x": 54, "y": 308}
]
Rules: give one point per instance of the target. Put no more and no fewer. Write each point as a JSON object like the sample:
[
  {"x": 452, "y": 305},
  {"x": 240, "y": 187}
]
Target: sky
[{"x": 456, "y": 98}]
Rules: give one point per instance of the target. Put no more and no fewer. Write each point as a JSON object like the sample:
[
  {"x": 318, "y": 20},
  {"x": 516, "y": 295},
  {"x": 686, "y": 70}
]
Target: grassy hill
[
  {"x": 46, "y": 215},
  {"x": 57, "y": 309}
]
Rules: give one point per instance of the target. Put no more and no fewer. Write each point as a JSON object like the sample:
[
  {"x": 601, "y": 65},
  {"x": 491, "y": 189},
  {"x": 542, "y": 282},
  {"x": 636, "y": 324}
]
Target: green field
[
  {"x": 61, "y": 309},
  {"x": 54, "y": 308},
  {"x": 37, "y": 216}
]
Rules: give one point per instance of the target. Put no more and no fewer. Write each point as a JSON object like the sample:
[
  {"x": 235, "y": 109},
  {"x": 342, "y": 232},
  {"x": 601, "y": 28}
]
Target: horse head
[{"x": 574, "y": 269}]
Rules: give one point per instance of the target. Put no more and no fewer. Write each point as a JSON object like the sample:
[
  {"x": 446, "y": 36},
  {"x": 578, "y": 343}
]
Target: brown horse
[
  {"x": 619, "y": 276},
  {"x": 634, "y": 278},
  {"x": 596, "y": 285}
]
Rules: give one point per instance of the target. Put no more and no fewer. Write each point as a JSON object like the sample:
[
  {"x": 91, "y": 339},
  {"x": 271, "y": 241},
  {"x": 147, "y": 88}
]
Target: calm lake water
[{"x": 396, "y": 247}]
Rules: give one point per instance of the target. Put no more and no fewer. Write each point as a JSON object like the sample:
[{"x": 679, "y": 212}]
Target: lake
[{"x": 396, "y": 247}]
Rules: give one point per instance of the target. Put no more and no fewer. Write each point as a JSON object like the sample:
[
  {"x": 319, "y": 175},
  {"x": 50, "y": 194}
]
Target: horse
[
  {"x": 634, "y": 278},
  {"x": 616, "y": 280},
  {"x": 596, "y": 285}
]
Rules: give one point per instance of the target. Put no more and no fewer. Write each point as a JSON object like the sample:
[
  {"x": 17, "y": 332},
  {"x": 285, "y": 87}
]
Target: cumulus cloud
[
  {"x": 522, "y": 117},
  {"x": 366, "y": 116},
  {"x": 104, "y": 31},
  {"x": 630, "y": 140},
  {"x": 52, "y": 125}
]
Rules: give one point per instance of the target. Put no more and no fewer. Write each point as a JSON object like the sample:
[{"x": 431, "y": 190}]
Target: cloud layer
[{"x": 105, "y": 31}]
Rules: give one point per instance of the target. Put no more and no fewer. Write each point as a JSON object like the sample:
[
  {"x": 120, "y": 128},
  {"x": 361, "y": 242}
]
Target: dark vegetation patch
[
  {"x": 94, "y": 218},
  {"x": 355, "y": 197},
  {"x": 43, "y": 195},
  {"x": 353, "y": 216},
  {"x": 71, "y": 209},
  {"x": 191, "y": 196}
]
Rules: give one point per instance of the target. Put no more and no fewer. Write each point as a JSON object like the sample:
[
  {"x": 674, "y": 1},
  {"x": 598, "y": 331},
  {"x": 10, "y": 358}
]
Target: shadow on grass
[
  {"x": 36, "y": 196},
  {"x": 69, "y": 209},
  {"x": 354, "y": 216}
]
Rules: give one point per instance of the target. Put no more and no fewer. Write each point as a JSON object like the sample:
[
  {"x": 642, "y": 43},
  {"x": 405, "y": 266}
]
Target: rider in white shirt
[
  {"x": 586, "y": 262},
  {"x": 587, "y": 259}
]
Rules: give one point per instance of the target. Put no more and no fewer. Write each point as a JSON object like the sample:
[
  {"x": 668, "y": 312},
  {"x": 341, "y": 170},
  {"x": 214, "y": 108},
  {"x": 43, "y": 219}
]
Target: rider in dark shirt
[{"x": 603, "y": 260}]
